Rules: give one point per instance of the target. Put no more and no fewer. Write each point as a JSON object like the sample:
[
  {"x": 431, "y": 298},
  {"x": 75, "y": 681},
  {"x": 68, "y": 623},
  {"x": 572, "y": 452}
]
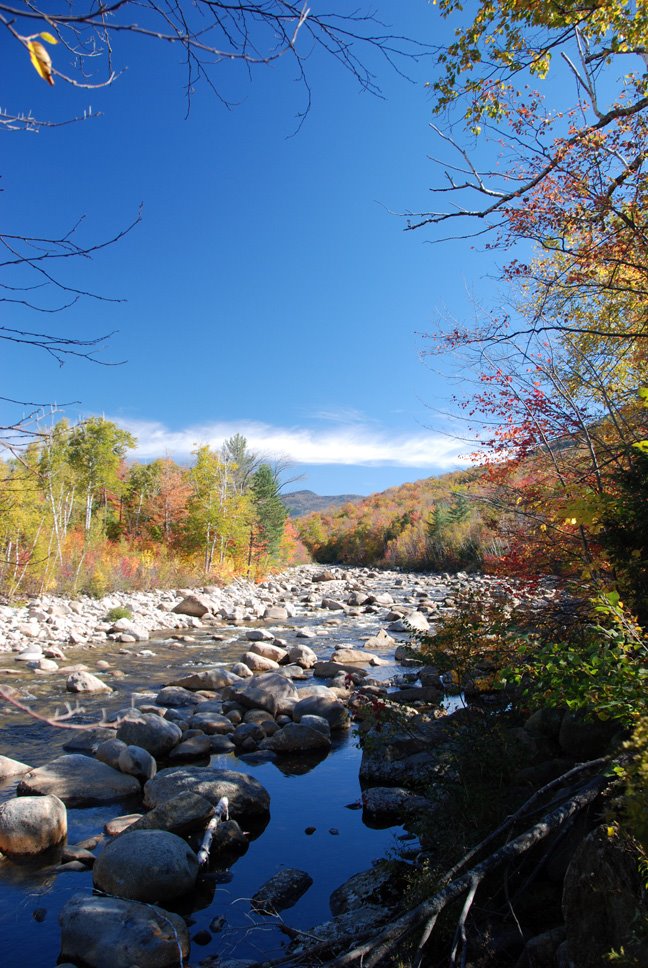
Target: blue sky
[{"x": 269, "y": 289}]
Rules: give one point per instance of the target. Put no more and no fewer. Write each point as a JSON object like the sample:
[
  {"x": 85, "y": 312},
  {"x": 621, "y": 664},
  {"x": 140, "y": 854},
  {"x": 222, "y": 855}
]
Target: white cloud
[{"x": 354, "y": 445}]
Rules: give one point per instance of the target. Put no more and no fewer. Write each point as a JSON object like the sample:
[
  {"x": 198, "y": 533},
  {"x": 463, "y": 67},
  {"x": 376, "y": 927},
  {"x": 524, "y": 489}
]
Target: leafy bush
[
  {"x": 120, "y": 611},
  {"x": 605, "y": 674}
]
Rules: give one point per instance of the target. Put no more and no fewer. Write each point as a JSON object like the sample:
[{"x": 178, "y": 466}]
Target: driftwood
[
  {"x": 222, "y": 813},
  {"x": 372, "y": 952}
]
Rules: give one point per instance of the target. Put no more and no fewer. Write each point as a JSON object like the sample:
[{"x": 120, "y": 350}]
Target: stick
[
  {"x": 370, "y": 954},
  {"x": 222, "y": 813}
]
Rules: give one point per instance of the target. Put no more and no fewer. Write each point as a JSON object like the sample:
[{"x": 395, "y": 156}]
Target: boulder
[
  {"x": 584, "y": 739},
  {"x": 330, "y": 669},
  {"x": 296, "y": 738},
  {"x": 30, "y": 825},
  {"x": 78, "y": 781},
  {"x": 247, "y": 797},
  {"x": 182, "y": 815},
  {"x": 269, "y": 651},
  {"x": 108, "y": 932},
  {"x": 271, "y": 691},
  {"x": 380, "y": 642},
  {"x": 282, "y": 891},
  {"x": 109, "y": 752},
  {"x": 146, "y": 865},
  {"x": 258, "y": 663},
  {"x": 395, "y": 804},
  {"x": 9, "y": 767},
  {"x": 352, "y": 656},
  {"x": 373, "y": 886},
  {"x": 275, "y": 613},
  {"x": 302, "y": 655},
  {"x": 603, "y": 901},
  {"x": 193, "y": 605},
  {"x": 153, "y": 733},
  {"x": 137, "y": 762},
  {"x": 177, "y": 696},
  {"x": 212, "y": 723},
  {"x": 85, "y": 682},
  {"x": 191, "y": 748},
  {"x": 212, "y": 679},
  {"x": 334, "y": 712},
  {"x": 259, "y": 635}
]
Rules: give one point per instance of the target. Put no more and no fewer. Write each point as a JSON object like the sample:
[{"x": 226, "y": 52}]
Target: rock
[
  {"x": 269, "y": 651},
  {"x": 242, "y": 671},
  {"x": 108, "y": 932},
  {"x": 137, "y": 762},
  {"x": 257, "y": 663},
  {"x": 81, "y": 854},
  {"x": 193, "y": 605},
  {"x": 182, "y": 815},
  {"x": 295, "y": 738},
  {"x": 212, "y": 679},
  {"x": 373, "y": 886},
  {"x": 545, "y": 722},
  {"x": 85, "y": 682},
  {"x": 228, "y": 839},
  {"x": 302, "y": 655},
  {"x": 212, "y": 723},
  {"x": 603, "y": 901},
  {"x": 585, "y": 739},
  {"x": 271, "y": 691},
  {"x": 329, "y": 670},
  {"x": 192, "y": 748},
  {"x": 118, "y": 825},
  {"x": 395, "y": 804},
  {"x": 247, "y": 797},
  {"x": 78, "y": 781},
  {"x": 221, "y": 744},
  {"x": 259, "y": 635},
  {"x": 109, "y": 752},
  {"x": 333, "y": 604},
  {"x": 334, "y": 712},
  {"x": 344, "y": 929},
  {"x": 177, "y": 696},
  {"x": 9, "y": 767},
  {"x": 276, "y": 613},
  {"x": 540, "y": 951},
  {"x": 323, "y": 576},
  {"x": 88, "y": 740},
  {"x": 430, "y": 695},
  {"x": 30, "y": 825},
  {"x": 146, "y": 865},
  {"x": 316, "y": 722},
  {"x": 156, "y": 735},
  {"x": 282, "y": 891},
  {"x": 353, "y": 656}
]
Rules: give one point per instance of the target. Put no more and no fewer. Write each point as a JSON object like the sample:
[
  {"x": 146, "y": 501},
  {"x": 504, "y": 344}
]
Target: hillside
[
  {"x": 299, "y": 503},
  {"x": 433, "y": 523}
]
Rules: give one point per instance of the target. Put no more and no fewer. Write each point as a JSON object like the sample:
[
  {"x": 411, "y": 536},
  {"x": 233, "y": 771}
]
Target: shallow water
[{"x": 323, "y": 795}]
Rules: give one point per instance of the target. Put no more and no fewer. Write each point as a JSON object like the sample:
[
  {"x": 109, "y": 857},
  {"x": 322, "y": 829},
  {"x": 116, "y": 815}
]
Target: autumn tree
[{"x": 96, "y": 449}]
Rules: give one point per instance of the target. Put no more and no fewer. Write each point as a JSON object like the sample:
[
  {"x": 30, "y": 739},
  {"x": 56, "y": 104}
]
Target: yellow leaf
[
  {"x": 41, "y": 60},
  {"x": 48, "y": 38}
]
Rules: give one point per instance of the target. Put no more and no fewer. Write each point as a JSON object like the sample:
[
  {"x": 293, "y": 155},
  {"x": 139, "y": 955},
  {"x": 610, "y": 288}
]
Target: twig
[{"x": 222, "y": 813}]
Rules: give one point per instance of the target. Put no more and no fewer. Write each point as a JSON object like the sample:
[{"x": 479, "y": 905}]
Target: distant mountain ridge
[{"x": 305, "y": 502}]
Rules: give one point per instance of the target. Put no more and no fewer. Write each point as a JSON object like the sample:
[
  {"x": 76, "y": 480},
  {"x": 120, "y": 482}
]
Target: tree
[
  {"x": 270, "y": 516},
  {"x": 96, "y": 449}
]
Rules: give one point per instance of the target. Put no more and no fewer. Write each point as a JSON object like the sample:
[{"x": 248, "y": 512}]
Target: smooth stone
[
  {"x": 108, "y": 932},
  {"x": 395, "y": 803},
  {"x": 146, "y": 865},
  {"x": 258, "y": 663},
  {"x": 30, "y": 825},
  {"x": 85, "y": 682},
  {"x": 271, "y": 691},
  {"x": 295, "y": 738},
  {"x": 212, "y": 679},
  {"x": 282, "y": 891},
  {"x": 193, "y": 605},
  {"x": 212, "y": 723},
  {"x": 137, "y": 762},
  {"x": 153, "y": 733},
  {"x": 330, "y": 669},
  {"x": 332, "y": 710},
  {"x": 9, "y": 767},
  {"x": 259, "y": 635},
  {"x": 182, "y": 815},
  {"x": 192, "y": 748},
  {"x": 118, "y": 825},
  {"x": 247, "y": 797},
  {"x": 177, "y": 696},
  {"x": 269, "y": 651},
  {"x": 302, "y": 655},
  {"x": 88, "y": 740},
  {"x": 78, "y": 781},
  {"x": 109, "y": 752}
]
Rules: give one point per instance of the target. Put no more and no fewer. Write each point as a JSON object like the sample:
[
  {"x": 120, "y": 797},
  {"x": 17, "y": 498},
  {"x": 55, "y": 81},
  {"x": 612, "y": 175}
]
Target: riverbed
[{"x": 316, "y": 822}]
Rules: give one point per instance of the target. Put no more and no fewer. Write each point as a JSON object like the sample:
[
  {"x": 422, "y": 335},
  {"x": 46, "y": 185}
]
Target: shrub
[{"x": 120, "y": 611}]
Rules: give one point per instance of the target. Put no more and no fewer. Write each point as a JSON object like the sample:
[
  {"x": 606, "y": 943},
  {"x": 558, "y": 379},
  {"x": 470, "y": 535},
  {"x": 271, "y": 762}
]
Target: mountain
[{"x": 306, "y": 502}]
